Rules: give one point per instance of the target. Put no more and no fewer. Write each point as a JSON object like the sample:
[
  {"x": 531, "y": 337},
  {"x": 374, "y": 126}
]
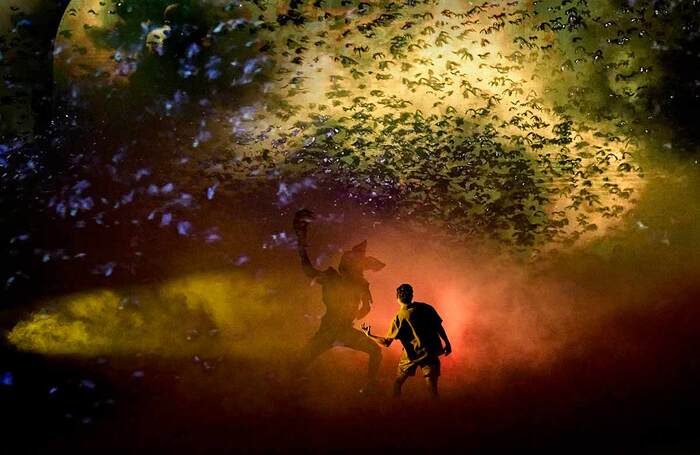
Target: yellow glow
[{"x": 225, "y": 312}]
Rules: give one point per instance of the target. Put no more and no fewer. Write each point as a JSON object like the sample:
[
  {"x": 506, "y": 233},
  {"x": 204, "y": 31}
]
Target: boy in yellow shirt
[{"x": 419, "y": 329}]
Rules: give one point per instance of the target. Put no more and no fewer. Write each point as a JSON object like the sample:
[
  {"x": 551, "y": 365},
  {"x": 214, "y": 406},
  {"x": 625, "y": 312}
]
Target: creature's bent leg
[
  {"x": 358, "y": 341},
  {"x": 319, "y": 344}
]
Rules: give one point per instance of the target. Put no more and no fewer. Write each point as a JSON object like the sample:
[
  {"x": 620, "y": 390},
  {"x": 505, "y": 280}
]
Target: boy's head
[{"x": 404, "y": 293}]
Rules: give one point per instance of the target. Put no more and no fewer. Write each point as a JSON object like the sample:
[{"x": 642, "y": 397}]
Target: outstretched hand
[{"x": 366, "y": 329}]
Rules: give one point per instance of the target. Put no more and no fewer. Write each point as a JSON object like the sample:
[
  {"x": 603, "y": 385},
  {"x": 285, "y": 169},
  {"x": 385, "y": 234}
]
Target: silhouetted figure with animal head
[{"x": 347, "y": 298}]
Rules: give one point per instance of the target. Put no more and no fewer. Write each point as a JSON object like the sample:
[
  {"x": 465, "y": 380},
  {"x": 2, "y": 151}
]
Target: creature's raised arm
[{"x": 301, "y": 223}]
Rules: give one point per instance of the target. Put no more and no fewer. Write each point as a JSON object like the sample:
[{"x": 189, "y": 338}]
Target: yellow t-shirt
[{"x": 416, "y": 326}]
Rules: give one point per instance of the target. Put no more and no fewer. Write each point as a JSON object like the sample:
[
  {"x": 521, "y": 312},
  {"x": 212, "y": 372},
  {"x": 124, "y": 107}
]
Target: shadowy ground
[{"x": 630, "y": 388}]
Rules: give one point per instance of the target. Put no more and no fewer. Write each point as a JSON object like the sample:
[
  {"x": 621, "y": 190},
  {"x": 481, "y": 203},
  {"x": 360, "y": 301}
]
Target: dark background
[{"x": 628, "y": 385}]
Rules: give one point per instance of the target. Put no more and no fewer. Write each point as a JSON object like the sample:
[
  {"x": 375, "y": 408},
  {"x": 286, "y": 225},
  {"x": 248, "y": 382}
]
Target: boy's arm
[
  {"x": 443, "y": 335},
  {"x": 366, "y": 329}
]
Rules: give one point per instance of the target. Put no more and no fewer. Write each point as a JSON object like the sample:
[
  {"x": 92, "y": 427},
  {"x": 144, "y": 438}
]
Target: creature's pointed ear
[
  {"x": 360, "y": 247},
  {"x": 372, "y": 264}
]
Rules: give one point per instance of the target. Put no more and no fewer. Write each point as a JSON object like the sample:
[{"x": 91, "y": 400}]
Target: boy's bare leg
[
  {"x": 398, "y": 383},
  {"x": 432, "y": 383}
]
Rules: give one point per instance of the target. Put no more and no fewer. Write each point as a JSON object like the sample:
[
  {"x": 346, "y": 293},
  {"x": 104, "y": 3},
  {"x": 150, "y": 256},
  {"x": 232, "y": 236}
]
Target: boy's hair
[{"x": 405, "y": 293}]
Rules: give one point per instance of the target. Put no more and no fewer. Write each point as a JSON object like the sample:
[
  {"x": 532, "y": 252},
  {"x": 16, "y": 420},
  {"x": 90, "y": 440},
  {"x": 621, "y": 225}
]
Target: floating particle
[
  {"x": 165, "y": 219},
  {"x": 7, "y": 379},
  {"x": 211, "y": 191},
  {"x": 184, "y": 227},
  {"x": 243, "y": 259}
]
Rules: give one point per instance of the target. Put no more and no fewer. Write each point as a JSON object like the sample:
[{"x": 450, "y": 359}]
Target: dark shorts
[{"x": 429, "y": 365}]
